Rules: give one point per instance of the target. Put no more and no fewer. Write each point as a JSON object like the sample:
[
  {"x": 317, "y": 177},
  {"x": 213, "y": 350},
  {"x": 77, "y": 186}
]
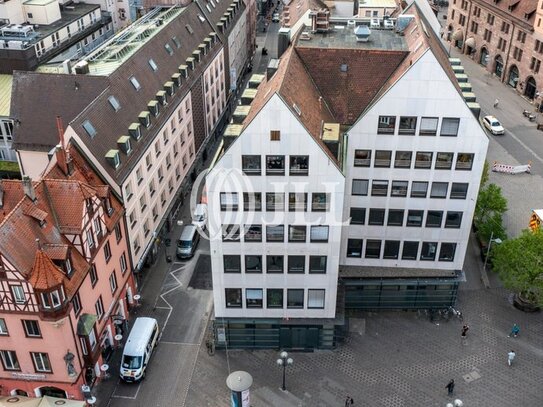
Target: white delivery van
[
  {"x": 137, "y": 351},
  {"x": 199, "y": 217},
  {"x": 187, "y": 243}
]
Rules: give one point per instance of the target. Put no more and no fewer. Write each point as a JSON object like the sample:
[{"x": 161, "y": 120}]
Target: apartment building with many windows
[
  {"x": 506, "y": 38},
  {"x": 385, "y": 106},
  {"x": 141, "y": 109},
  {"x": 65, "y": 278}
]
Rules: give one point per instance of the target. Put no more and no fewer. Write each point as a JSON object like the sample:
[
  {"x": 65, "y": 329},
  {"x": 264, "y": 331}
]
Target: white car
[
  {"x": 275, "y": 18},
  {"x": 493, "y": 125}
]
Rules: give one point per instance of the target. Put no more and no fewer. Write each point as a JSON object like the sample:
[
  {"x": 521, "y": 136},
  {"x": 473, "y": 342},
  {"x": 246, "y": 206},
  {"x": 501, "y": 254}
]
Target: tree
[
  {"x": 484, "y": 175},
  {"x": 519, "y": 263},
  {"x": 490, "y": 207}
]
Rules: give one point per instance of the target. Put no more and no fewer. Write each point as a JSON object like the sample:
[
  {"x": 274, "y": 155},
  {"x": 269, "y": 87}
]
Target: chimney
[
  {"x": 62, "y": 162},
  {"x": 29, "y": 188}
]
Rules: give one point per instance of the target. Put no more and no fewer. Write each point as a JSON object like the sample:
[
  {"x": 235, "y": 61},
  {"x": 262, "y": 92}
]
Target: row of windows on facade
[
  {"x": 275, "y": 164},
  {"x": 275, "y": 233},
  {"x": 407, "y": 125},
  {"x": 275, "y": 264},
  {"x": 415, "y": 217},
  {"x": 275, "y": 202},
  {"x": 254, "y": 298},
  {"x": 419, "y": 189},
  {"x": 404, "y": 159},
  {"x": 40, "y": 360},
  {"x": 390, "y": 250}
]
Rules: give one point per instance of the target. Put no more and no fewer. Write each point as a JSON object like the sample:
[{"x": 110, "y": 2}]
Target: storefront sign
[{"x": 28, "y": 376}]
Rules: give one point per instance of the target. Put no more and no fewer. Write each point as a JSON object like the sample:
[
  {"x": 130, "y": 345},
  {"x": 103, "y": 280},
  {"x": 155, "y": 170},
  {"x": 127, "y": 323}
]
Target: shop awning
[
  {"x": 458, "y": 35},
  {"x": 470, "y": 42},
  {"x": 85, "y": 324}
]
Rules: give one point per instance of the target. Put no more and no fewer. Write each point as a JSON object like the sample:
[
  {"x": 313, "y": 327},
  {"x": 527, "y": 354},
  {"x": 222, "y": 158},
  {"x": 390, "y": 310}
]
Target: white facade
[
  {"x": 424, "y": 91},
  {"x": 6, "y": 134},
  {"x": 214, "y": 91},
  {"x": 237, "y": 48},
  {"x": 119, "y": 10},
  {"x": 305, "y": 285}
]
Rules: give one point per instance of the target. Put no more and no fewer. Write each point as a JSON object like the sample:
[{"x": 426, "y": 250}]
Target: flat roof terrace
[{"x": 342, "y": 36}]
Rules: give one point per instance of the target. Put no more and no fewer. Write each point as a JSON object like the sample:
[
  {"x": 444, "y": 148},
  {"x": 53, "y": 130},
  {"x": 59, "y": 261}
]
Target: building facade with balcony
[
  {"x": 66, "y": 281},
  {"x": 142, "y": 109},
  {"x": 506, "y": 38},
  {"x": 35, "y": 32},
  {"x": 409, "y": 153}
]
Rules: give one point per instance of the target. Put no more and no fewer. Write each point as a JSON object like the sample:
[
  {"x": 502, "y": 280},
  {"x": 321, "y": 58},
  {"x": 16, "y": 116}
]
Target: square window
[
  {"x": 362, "y": 158},
  {"x": 459, "y": 190},
  {"x": 319, "y": 234},
  {"x": 419, "y": 189},
  {"x": 315, "y": 299},
  {"x": 360, "y": 187},
  {"x": 275, "y": 233},
  {"x": 32, "y": 328},
  {"x": 408, "y": 125},
  {"x": 229, "y": 201},
  {"x": 358, "y": 216},
  {"x": 3, "y": 327},
  {"x": 386, "y": 125},
  {"x": 251, "y": 164},
  {"x": 444, "y": 161},
  {"x": 379, "y": 187},
  {"x": 453, "y": 220},
  {"x": 423, "y": 159},
  {"x": 297, "y": 201},
  {"x": 377, "y": 217},
  {"x": 446, "y": 253},
  {"x": 428, "y": 251},
  {"x": 275, "y": 202},
  {"x": 464, "y": 161},
  {"x": 414, "y": 218},
  {"x": 9, "y": 360},
  {"x": 296, "y": 264},
  {"x": 320, "y": 202},
  {"x": 399, "y": 188},
  {"x": 382, "y": 158},
  {"x": 395, "y": 217},
  {"x": 402, "y": 159},
  {"x": 428, "y": 126},
  {"x": 252, "y": 233},
  {"x": 295, "y": 298},
  {"x": 253, "y": 297},
  {"x": 230, "y": 233},
  {"x": 439, "y": 190},
  {"x": 373, "y": 249},
  {"x": 41, "y": 362},
  {"x": 392, "y": 249},
  {"x": 233, "y": 297},
  {"x": 449, "y": 127},
  {"x": 297, "y": 233},
  {"x": 354, "y": 248},
  {"x": 434, "y": 219},
  {"x": 317, "y": 264},
  {"x": 274, "y": 298},
  {"x": 410, "y": 250},
  {"x": 252, "y": 201},
  {"x": 299, "y": 165},
  {"x": 232, "y": 263},
  {"x": 274, "y": 264},
  {"x": 275, "y": 135},
  {"x": 253, "y": 264},
  {"x": 275, "y": 165}
]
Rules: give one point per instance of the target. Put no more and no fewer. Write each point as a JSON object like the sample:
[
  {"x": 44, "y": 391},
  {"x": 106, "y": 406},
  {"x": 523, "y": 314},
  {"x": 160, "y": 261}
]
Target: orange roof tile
[{"x": 45, "y": 274}]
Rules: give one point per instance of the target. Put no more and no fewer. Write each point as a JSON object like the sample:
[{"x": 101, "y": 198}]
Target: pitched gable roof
[{"x": 45, "y": 274}]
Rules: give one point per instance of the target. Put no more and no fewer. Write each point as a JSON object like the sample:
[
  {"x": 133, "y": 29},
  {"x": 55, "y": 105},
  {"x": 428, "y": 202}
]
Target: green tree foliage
[
  {"x": 519, "y": 263},
  {"x": 491, "y": 205},
  {"x": 484, "y": 175}
]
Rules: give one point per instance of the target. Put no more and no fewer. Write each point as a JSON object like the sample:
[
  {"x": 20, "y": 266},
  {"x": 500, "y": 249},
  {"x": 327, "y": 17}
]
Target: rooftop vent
[
  {"x": 362, "y": 33},
  {"x": 403, "y": 21}
]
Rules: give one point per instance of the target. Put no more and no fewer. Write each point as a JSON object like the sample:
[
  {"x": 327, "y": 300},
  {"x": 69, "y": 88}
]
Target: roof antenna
[{"x": 38, "y": 243}]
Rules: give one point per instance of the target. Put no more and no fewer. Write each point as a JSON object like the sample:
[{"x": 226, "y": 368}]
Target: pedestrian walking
[
  {"x": 450, "y": 387},
  {"x": 465, "y": 330},
  {"x": 514, "y": 331},
  {"x": 496, "y": 102},
  {"x": 349, "y": 401},
  {"x": 510, "y": 356}
]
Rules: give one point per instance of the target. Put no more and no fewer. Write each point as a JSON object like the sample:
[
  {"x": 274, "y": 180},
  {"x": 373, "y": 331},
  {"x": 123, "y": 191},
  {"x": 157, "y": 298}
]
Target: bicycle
[
  {"x": 210, "y": 346},
  {"x": 453, "y": 312}
]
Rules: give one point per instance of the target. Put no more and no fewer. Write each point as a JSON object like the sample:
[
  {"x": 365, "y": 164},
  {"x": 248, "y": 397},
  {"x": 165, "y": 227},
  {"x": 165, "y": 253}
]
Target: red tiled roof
[
  {"x": 520, "y": 8},
  {"x": 45, "y": 274},
  {"x": 12, "y": 193},
  {"x": 56, "y": 251},
  {"x": 33, "y": 211}
]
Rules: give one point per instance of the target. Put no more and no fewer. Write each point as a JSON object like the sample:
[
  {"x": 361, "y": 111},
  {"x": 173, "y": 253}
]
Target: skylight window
[
  {"x": 202, "y": 19},
  {"x": 89, "y": 128},
  {"x": 208, "y": 8},
  {"x": 169, "y": 49},
  {"x": 114, "y": 103},
  {"x": 135, "y": 83},
  {"x": 189, "y": 29},
  {"x": 213, "y": 4},
  {"x": 176, "y": 42},
  {"x": 153, "y": 65}
]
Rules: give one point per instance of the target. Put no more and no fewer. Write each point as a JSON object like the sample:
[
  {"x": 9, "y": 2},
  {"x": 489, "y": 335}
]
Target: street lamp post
[
  {"x": 284, "y": 360},
  {"x": 497, "y": 240}
]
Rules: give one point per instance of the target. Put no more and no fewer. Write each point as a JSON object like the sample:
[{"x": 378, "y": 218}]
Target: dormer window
[
  {"x": 54, "y": 299},
  {"x": 68, "y": 265},
  {"x": 112, "y": 157},
  {"x": 153, "y": 107},
  {"x": 88, "y": 205},
  {"x": 135, "y": 131},
  {"x": 145, "y": 118},
  {"x": 107, "y": 204}
]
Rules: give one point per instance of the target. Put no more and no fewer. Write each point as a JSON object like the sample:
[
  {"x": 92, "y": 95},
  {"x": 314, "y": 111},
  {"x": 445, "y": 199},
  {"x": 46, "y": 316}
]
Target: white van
[
  {"x": 187, "y": 243},
  {"x": 199, "y": 217},
  {"x": 137, "y": 351}
]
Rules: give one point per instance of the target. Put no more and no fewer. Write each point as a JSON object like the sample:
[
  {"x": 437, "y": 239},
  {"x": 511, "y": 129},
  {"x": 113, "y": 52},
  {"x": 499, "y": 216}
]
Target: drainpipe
[
  {"x": 502, "y": 79},
  {"x": 467, "y": 27}
]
